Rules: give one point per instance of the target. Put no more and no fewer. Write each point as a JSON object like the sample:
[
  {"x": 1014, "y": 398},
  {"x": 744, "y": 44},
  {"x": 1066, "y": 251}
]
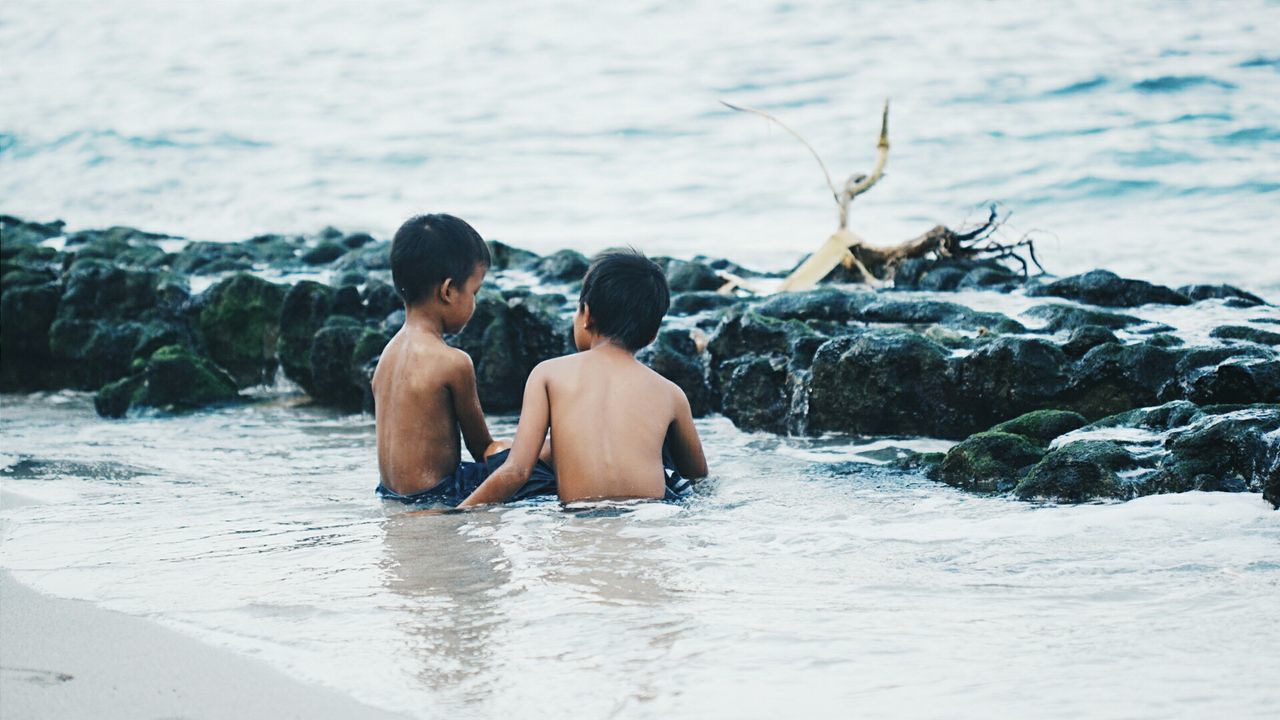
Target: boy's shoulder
[
  {"x": 585, "y": 362},
  {"x": 429, "y": 360}
]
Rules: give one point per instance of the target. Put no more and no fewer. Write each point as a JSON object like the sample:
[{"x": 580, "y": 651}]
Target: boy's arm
[
  {"x": 685, "y": 445},
  {"x": 466, "y": 407},
  {"x": 535, "y": 417}
]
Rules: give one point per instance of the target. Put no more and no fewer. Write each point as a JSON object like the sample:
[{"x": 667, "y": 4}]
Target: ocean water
[
  {"x": 797, "y": 585},
  {"x": 1140, "y": 136},
  {"x": 802, "y": 580}
]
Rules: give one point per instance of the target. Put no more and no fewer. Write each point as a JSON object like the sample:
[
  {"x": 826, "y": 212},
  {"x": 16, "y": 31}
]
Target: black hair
[
  {"x": 628, "y": 295},
  {"x": 428, "y": 249}
]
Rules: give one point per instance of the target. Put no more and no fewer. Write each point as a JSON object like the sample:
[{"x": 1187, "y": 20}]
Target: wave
[
  {"x": 1081, "y": 87},
  {"x": 1250, "y": 136},
  {"x": 1176, "y": 83}
]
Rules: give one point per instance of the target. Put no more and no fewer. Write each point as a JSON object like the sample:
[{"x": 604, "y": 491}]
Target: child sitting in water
[
  {"x": 614, "y": 419},
  {"x": 425, "y": 391}
]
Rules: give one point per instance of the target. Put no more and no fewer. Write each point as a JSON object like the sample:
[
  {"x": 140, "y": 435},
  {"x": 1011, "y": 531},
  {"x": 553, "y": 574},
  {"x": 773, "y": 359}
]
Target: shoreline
[{"x": 70, "y": 659}]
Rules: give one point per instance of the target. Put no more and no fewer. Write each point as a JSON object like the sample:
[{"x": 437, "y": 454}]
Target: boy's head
[
  {"x": 624, "y": 296},
  {"x": 429, "y": 249}
]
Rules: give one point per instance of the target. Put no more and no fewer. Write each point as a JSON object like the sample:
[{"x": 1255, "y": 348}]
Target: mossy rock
[
  {"x": 989, "y": 462},
  {"x": 240, "y": 326},
  {"x": 304, "y": 310},
  {"x": 1042, "y": 425},
  {"x": 174, "y": 378},
  {"x": 1078, "y": 471}
]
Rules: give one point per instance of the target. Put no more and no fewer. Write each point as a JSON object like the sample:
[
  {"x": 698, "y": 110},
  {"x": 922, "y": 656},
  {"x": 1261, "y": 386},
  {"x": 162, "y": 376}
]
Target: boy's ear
[
  {"x": 587, "y": 323},
  {"x": 446, "y": 290}
]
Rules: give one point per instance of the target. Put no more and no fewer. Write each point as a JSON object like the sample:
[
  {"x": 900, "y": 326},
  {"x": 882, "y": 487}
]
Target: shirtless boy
[
  {"x": 425, "y": 391},
  {"x": 611, "y": 417}
]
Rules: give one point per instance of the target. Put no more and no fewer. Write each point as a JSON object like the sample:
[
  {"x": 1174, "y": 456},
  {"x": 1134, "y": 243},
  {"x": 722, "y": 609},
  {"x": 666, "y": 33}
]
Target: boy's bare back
[
  {"x": 610, "y": 416},
  {"x": 414, "y": 388}
]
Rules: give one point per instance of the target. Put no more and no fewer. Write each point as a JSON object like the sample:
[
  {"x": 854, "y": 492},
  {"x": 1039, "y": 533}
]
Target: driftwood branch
[{"x": 876, "y": 264}]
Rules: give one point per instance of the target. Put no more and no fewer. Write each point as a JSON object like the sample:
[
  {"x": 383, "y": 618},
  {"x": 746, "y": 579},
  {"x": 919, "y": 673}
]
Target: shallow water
[
  {"x": 1140, "y": 136},
  {"x": 799, "y": 583}
]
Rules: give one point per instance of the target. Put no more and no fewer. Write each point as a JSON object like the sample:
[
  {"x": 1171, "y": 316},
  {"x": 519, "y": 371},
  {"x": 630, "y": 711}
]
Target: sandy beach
[{"x": 69, "y": 659}]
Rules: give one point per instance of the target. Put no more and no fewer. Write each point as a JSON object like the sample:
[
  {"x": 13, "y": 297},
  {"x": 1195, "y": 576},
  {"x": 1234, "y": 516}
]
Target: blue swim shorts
[{"x": 468, "y": 476}]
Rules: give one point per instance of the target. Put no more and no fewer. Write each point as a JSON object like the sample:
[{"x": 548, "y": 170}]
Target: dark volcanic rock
[
  {"x": 754, "y": 392},
  {"x": 921, "y": 312},
  {"x": 173, "y": 378},
  {"x": 1009, "y": 376},
  {"x": 1069, "y": 317},
  {"x": 239, "y": 323},
  {"x": 1078, "y": 471},
  {"x": 690, "y": 275},
  {"x": 674, "y": 356},
  {"x": 1244, "y": 332},
  {"x": 743, "y": 333},
  {"x": 374, "y": 256},
  {"x": 1042, "y": 425},
  {"x": 380, "y": 300},
  {"x": 1208, "y": 292},
  {"x": 17, "y": 232},
  {"x": 304, "y": 310},
  {"x": 989, "y": 462},
  {"x": 1112, "y": 378},
  {"x": 324, "y": 253},
  {"x": 209, "y": 258},
  {"x": 339, "y": 354},
  {"x": 884, "y": 383},
  {"x": 563, "y": 265},
  {"x": 1161, "y": 417},
  {"x": 693, "y": 303},
  {"x": 356, "y": 240},
  {"x": 1086, "y": 338},
  {"x": 951, "y": 274},
  {"x": 1233, "y": 452},
  {"x": 829, "y": 304},
  {"x": 1234, "y": 380},
  {"x": 506, "y": 257},
  {"x": 1102, "y": 287},
  {"x": 26, "y": 314}
]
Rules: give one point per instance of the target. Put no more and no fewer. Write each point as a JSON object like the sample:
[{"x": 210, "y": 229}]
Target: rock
[
  {"x": 674, "y": 356},
  {"x": 1105, "y": 288},
  {"x": 239, "y": 323},
  {"x": 1112, "y": 378},
  {"x": 506, "y": 257},
  {"x": 347, "y": 301},
  {"x": 113, "y": 235},
  {"x": 989, "y": 462},
  {"x": 1085, "y": 338},
  {"x": 1208, "y": 292},
  {"x": 693, "y": 303},
  {"x": 1009, "y": 376},
  {"x": 754, "y": 393},
  {"x": 1233, "y": 452},
  {"x": 324, "y": 253},
  {"x": 1161, "y": 417},
  {"x": 542, "y": 330},
  {"x": 26, "y": 314},
  {"x": 18, "y": 232},
  {"x": 1042, "y": 426},
  {"x": 95, "y": 289},
  {"x": 1078, "y": 471},
  {"x": 744, "y": 333},
  {"x": 380, "y": 300},
  {"x": 1234, "y": 380},
  {"x": 830, "y": 304},
  {"x": 174, "y": 378},
  {"x": 1271, "y": 486},
  {"x": 691, "y": 276},
  {"x": 951, "y": 274},
  {"x": 1068, "y": 317},
  {"x": 351, "y": 277},
  {"x": 563, "y": 266},
  {"x": 1244, "y": 332},
  {"x": 303, "y": 311},
  {"x": 882, "y": 383},
  {"x": 356, "y": 240},
  {"x": 370, "y": 257},
  {"x": 210, "y": 258},
  {"x": 339, "y": 354},
  {"x": 920, "y": 312}
]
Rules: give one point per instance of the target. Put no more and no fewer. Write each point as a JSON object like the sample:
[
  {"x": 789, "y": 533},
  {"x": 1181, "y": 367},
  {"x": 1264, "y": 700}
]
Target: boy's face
[
  {"x": 464, "y": 301},
  {"x": 581, "y": 338}
]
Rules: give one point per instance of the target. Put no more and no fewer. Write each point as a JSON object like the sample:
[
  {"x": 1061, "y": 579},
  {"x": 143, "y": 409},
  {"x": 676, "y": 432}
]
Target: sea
[{"x": 802, "y": 580}]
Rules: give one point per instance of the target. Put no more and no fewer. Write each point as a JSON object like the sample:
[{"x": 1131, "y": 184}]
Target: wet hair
[
  {"x": 428, "y": 249},
  {"x": 628, "y": 295}
]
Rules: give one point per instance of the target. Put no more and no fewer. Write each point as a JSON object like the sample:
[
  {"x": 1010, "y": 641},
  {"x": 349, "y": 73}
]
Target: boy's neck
[
  {"x": 606, "y": 346},
  {"x": 423, "y": 318}
]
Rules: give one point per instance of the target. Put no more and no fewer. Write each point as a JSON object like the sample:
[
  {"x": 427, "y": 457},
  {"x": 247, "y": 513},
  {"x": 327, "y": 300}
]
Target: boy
[
  {"x": 425, "y": 391},
  {"x": 612, "y": 417}
]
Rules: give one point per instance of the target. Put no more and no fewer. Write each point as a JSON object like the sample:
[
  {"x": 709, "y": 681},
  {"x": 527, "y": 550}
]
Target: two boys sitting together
[{"x": 618, "y": 429}]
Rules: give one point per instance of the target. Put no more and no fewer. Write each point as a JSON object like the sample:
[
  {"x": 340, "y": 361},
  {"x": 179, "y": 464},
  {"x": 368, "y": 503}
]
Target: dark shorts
[
  {"x": 456, "y": 487},
  {"x": 677, "y": 486}
]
